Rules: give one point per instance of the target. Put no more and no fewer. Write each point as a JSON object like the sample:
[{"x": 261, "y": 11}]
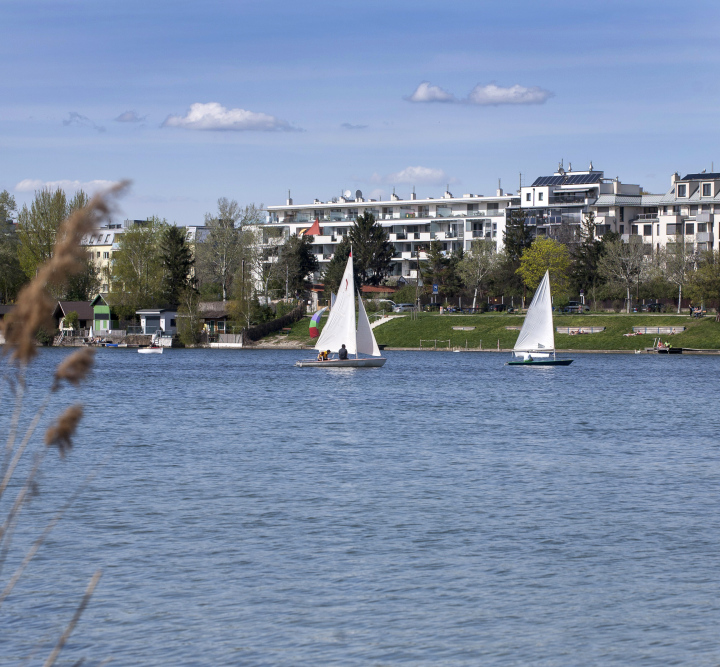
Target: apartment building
[
  {"x": 412, "y": 224},
  {"x": 688, "y": 211},
  {"x": 101, "y": 244},
  {"x": 552, "y": 204}
]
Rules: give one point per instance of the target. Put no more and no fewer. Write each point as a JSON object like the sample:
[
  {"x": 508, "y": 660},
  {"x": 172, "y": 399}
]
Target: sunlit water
[{"x": 445, "y": 509}]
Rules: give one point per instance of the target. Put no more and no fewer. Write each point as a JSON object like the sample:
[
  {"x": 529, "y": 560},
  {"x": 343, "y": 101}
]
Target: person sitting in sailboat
[{"x": 342, "y": 352}]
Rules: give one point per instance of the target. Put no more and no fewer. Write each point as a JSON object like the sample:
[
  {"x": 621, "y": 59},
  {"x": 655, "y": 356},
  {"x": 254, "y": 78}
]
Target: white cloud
[
  {"x": 130, "y": 116},
  {"x": 214, "y": 116},
  {"x": 492, "y": 95},
  {"x": 75, "y": 118},
  {"x": 419, "y": 176},
  {"x": 426, "y": 92},
  {"x": 489, "y": 95},
  {"x": 90, "y": 187}
]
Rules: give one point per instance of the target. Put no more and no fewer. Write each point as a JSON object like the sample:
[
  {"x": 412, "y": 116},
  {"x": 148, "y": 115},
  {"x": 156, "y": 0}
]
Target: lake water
[{"x": 445, "y": 509}]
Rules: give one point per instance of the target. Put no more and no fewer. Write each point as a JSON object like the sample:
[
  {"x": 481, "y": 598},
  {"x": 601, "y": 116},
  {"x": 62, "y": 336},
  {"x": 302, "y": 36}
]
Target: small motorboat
[{"x": 153, "y": 349}]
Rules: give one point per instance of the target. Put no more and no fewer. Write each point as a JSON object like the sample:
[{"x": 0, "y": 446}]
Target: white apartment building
[
  {"x": 411, "y": 223},
  {"x": 552, "y": 202},
  {"x": 689, "y": 210}
]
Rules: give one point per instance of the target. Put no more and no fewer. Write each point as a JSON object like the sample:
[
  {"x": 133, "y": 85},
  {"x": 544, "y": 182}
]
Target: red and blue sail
[{"x": 315, "y": 322}]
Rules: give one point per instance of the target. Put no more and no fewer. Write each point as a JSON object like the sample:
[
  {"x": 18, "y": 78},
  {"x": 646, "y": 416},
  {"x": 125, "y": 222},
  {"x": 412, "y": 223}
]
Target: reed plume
[
  {"x": 75, "y": 368},
  {"x": 60, "y": 434}
]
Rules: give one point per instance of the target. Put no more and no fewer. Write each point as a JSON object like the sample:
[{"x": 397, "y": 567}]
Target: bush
[
  {"x": 284, "y": 307},
  {"x": 257, "y": 332},
  {"x": 72, "y": 320}
]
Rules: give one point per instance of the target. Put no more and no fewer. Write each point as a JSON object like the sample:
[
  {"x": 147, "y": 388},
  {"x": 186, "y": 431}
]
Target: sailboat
[
  {"x": 537, "y": 336},
  {"x": 341, "y": 329}
]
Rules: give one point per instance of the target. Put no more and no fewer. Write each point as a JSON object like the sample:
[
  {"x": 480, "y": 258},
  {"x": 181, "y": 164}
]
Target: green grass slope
[{"x": 701, "y": 333}]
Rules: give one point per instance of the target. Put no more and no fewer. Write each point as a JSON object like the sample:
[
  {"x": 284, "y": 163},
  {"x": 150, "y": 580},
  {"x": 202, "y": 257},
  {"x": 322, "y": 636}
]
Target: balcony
[
  {"x": 705, "y": 237},
  {"x": 650, "y": 217},
  {"x": 704, "y": 217},
  {"x": 566, "y": 199}
]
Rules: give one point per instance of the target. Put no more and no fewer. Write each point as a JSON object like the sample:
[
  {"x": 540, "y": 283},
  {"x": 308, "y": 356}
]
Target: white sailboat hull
[
  {"x": 150, "y": 350},
  {"x": 373, "y": 362}
]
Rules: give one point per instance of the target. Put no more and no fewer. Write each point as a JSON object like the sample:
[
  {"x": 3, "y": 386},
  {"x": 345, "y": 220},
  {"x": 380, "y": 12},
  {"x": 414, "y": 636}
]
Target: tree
[
  {"x": 435, "y": 266},
  {"x": 518, "y": 236},
  {"x": 84, "y": 285},
  {"x": 704, "y": 283},
  {"x": 219, "y": 255},
  {"x": 677, "y": 261},
  {"x": 177, "y": 263},
  {"x": 546, "y": 255},
  {"x": 372, "y": 251},
  {"x": 336, "y": 268},
  {"x": 190, "y": 321},
  {"x": 623, "y": 263},
  {"x": 585, "y": 274},
  {"x": 477, "y": 264},
  {"x": 296, "y": 263},
  {"x": 37, "y": 228},
  {"x": 137, "y": 270},
  {"x": 7, "y": 208}
]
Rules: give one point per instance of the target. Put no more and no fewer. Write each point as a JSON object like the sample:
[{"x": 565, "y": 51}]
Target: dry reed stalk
[{"x": 73, "y": 622}]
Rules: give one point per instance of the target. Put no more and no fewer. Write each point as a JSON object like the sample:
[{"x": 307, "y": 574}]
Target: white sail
[
  {"x": 340, "y": 327},
  {"x": 366, "y": 343},
  {"x": 537, "y": 333}
]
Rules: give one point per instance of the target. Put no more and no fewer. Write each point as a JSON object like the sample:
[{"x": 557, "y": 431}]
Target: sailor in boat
[{"x": 342, "y": 352}]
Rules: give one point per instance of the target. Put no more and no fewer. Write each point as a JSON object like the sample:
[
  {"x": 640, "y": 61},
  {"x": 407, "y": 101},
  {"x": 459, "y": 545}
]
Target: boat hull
[
  {"x": 150, "y": 350},
  {"x": 372, "y": 362},
  {"x": 541, "y": 362}
]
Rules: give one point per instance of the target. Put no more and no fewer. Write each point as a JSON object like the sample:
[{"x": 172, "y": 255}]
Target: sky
[{"x": 193, "y": 101}]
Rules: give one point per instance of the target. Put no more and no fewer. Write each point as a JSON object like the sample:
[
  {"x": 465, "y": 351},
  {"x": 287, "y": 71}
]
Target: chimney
[
  {"x": 413, "y": 196},
  {"x": 289, "y": 199},
  {"x": 674, "y": 178}
]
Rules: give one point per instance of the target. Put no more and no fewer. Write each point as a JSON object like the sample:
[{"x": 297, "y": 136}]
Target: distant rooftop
[{"x": 583, "y": 178}]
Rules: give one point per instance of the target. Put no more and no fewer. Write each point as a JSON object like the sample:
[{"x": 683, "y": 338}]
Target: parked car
[
  {"x": 403, "y": 308},
  {"x": 575, "y": 307},
  {"x": 387, "y": 303},
  {"x": 654, "y": 307}
]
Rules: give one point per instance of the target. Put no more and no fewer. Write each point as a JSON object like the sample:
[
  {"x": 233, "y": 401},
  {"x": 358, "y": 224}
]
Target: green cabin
[{"x": 103, "y": 317}]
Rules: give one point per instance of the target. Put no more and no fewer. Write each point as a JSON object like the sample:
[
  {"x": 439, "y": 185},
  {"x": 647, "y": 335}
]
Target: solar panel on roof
[
  {"x": 699, "y": 177},
  {"x": 547, "y": 180}
]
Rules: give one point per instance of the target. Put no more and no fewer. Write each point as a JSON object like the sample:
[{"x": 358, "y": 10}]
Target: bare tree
[
  {"x": 220, "y": 254},
  {"x": 477, "y": 263},
  {"x": 678, "y": 260},
  {"x": 623, "y": 263}
]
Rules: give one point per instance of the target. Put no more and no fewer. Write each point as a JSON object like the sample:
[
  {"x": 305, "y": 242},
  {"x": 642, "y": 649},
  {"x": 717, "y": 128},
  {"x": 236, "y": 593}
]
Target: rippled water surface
[{"x": 445, "y": 509}]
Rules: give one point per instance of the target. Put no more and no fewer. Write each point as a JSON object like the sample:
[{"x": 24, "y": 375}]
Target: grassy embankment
[{"x": 701, "y": 333}]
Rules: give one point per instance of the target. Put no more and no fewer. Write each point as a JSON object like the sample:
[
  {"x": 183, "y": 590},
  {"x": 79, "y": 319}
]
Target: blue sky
[{"x": 198, "y": 100}]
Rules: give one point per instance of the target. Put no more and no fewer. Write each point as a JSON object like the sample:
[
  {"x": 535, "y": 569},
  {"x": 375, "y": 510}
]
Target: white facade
[{"x": 412, "y": 224}]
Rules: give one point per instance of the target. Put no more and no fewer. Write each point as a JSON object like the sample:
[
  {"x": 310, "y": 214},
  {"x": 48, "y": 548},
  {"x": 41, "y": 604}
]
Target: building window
[
  {"x": 98, "y": 254},
  {"x": 622, "y": 229},
  {"x": 622, "y": 214},
  {"x": 702, "y": 227},
  {"x": 707, "y": 190},
  {"x": 647, "y": 230},
  {"x": 540, "y": 196},
  {"x": 690, "y": 228},
  {"x": 658, "y": 229},
  {"x": 173, "y": 323},
  {"x": 634, "y": 229},
  {"x": 682, "y": 190},
  {"x": 106, "y": 255},
  {"x": 527, "y": 198}
]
